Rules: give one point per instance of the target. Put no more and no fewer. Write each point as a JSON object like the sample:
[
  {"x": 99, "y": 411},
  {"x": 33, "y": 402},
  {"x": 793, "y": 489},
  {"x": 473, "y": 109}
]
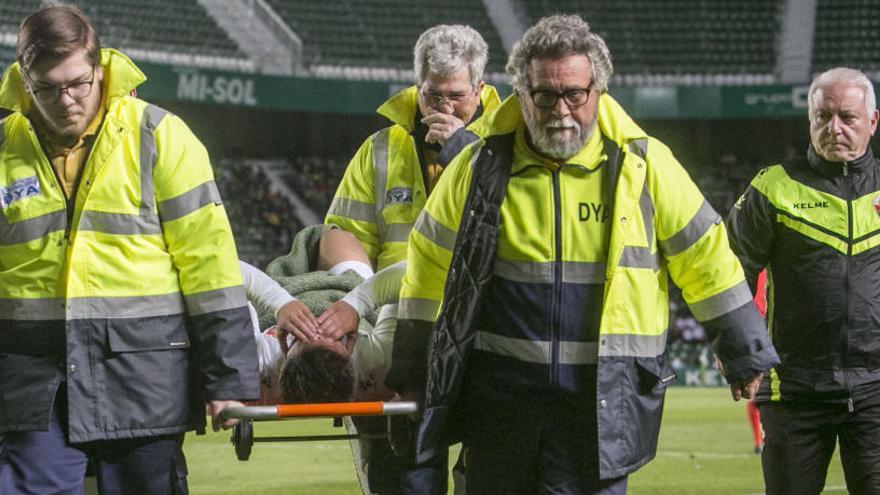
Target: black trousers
[
  {"x": 41, "y": 462},
  {"x": 531, "y": 448},
  {"x": 799, "y": 441}
]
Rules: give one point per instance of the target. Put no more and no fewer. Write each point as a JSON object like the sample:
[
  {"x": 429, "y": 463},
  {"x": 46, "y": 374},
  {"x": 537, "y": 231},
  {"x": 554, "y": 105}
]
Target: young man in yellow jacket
[{"x": 121, "y": 304}]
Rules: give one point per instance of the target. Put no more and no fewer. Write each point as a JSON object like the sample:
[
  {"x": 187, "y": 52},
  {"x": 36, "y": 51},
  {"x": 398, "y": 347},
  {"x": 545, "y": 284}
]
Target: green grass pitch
[{"x": 705, "y": 447}]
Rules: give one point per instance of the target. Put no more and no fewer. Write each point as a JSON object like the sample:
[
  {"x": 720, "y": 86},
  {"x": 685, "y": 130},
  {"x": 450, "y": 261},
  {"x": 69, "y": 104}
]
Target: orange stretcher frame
[{"x": 243, "y": 433}]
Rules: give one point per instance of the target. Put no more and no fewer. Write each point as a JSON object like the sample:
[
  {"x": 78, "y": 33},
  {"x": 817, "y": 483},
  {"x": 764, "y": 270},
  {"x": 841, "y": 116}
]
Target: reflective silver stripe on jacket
[
  {"x": 417, "y": 309},
  {"x": 541, "y": 272},
  {"x": 397, "y": 232},
  {"x": 353, "y": 209},
  {"x": 190, "y": 201},
  {"x": 535, "y": 351},
  {"x": 215, "y": 300},
  {"x": 632, "y": 345},
  {"x": 125, "y": 307},
  {"x": 32, "y": 228},
  {"x": 722, "y": 303},
  {"x": 435, "y": 232},
  {"x": 119, "y": 223},
  {"x": 153, "y": 115},
  {"x": 380, "y": 166},
  {"x": 45, "y": 308},
  {"x": 702, "y": 221},
  {"x": 641, "y": 256}
]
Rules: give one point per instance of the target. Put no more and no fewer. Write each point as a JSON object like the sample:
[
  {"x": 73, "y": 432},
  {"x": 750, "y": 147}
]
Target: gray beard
[{"x": 556, "y": 147}]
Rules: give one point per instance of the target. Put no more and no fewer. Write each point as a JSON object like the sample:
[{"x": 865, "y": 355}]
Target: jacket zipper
[
  {"x": 68, "y": 209},
  {"x": 849, "y": 241},
  {"x": 556, "y": 299}
]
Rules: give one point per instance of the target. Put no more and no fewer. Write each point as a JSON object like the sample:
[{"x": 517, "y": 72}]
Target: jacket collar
[
  {"x": 121, "y": 76},
  {"x": 403, "y": 107},
  {"x": 829, "y": 168}
]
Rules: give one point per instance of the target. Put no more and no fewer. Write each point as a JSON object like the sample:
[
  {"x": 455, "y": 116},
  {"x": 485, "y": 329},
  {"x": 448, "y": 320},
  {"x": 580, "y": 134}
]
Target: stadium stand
[
  {"x": 847, "y": 33},
  {"x": 167, "y": 25},
  {"x": 350, "y": 34},
  {"x": 169, "y": 31},
  {"x": 315, "y": 179},
  {"x": 712, "y": 41},
  {"x": 263, "y": 221},
  {"x": 7, "y": 56}
]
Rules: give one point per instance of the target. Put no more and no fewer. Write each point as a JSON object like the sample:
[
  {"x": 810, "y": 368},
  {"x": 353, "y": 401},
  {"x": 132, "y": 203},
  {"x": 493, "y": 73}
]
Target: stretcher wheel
[{"x": 243, "y": 439}]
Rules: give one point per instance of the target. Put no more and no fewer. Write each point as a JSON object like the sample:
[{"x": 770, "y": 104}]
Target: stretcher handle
[{"x": 319, "y": 410}]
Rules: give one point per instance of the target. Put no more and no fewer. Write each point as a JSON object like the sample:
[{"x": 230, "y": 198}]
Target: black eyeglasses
[
  {"x": 76, "y": 90},
  {"x": 546, "y": 99}
]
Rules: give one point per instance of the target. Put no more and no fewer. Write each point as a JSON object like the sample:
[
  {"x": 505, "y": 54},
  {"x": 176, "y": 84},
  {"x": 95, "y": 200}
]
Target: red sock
[{"x": 755, "y": 422}]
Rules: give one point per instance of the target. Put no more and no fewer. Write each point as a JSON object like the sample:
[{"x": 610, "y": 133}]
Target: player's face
[
  {"x": 840, "y": 125},
  {"x": 452, "y": 94},
  {"x": 336, "y": 346},
  {"x": 560, "y": 129},
  {"x": 66, "y": 93}
]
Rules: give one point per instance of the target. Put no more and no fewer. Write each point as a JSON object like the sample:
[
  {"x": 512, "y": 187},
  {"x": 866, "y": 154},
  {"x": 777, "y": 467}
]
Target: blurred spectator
[{"x": 263, "y": 221}]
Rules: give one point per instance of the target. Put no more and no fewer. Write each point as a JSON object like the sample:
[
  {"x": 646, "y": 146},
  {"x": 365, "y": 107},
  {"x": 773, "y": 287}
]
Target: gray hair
[
  {"x": 445, "y": 49},
  {"x": 846, "y": 75},
  {"x": 555, "y": 37}
]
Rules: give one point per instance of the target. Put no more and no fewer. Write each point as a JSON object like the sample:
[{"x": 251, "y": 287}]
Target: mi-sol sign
[{"x": 220, "y": 89}]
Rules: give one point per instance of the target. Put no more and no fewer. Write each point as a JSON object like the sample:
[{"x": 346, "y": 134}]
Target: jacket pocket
[
  {"x": 151, "y": 334},
  {"x": 655, "y": 373},
  {"x": 144, "y": 378}
]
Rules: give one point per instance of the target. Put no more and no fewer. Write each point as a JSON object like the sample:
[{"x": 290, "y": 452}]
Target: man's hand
[
  {"x": 747, "y": 389},
  {"x": 339, "y": 320},
  {"x": 214, "y": 408},
  {"x": 441, "y": 127},
  {"x": 295, "y": 318}
]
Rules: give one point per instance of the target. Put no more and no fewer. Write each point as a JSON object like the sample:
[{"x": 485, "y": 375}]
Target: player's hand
[
  {"x": 747, "y": 389},
  {"x": 295, "y": 318},
  {"x": 339, "y": 320},
  {"x": 441, "y": 127},
  {"x": 214, "y": 409}
]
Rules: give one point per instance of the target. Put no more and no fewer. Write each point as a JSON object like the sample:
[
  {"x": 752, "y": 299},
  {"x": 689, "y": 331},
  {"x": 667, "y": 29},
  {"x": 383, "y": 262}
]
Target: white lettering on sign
[{"x": 218, "y": 89}]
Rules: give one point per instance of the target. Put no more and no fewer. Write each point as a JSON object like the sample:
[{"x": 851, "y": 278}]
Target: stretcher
[{"x": 243, "y": 438}]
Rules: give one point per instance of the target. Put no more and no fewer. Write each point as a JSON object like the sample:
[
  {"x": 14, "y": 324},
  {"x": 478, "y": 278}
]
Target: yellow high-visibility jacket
[
  {"x": 383, "y": 189},
  {"x": 550, "y": 282},
  {"x": 128, "y": 294}
]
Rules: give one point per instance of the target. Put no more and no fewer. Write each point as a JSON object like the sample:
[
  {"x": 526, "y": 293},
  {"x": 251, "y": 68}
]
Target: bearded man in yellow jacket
[{"x": 534, "y": 309}]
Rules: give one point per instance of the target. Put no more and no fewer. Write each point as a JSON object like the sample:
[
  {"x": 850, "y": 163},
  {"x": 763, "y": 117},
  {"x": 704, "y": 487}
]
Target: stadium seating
[
  {"x": 7, "y": 56},
  {"x": 169, "y": 26},
  {"x": 378, "y": 34},
  {"x": 847, "y": 33},
  {"x": 681, "y": 37},
  {"x": 263, "y": 221}
]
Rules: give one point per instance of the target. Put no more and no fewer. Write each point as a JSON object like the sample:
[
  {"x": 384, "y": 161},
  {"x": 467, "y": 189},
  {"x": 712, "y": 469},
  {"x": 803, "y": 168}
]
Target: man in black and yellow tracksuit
[
  {"x": 536, "y": 290},
  {"x": 814, "y": 224},
  {"x": 121, "y": 303}
]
